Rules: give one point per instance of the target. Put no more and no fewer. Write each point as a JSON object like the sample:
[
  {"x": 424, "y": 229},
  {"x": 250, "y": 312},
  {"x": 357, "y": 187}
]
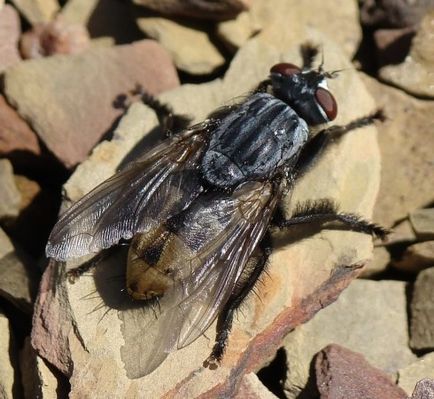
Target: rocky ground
[{"x": 337, "y": 315}]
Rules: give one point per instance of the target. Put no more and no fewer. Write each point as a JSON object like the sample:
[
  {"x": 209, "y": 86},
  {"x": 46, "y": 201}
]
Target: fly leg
[
  {"x": 318, "y": 143},
  {"x": 253, "y": 270},
  {"x": 325, "y": 211},
  {"x": 73, "y": 274}
]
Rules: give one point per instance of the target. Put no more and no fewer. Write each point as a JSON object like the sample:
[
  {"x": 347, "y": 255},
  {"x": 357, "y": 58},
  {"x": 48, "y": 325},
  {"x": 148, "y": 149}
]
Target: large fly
[{"x": 197, "y": 208}]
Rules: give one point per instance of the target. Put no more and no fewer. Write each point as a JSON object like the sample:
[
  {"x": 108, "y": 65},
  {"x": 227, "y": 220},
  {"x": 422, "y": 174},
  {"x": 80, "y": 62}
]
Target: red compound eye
[
  {"x": 285, "y": 69},
  {"x": 327, "y": 102}
]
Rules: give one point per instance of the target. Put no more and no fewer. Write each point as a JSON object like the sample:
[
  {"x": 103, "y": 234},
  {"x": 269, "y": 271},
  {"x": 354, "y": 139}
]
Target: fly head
[{"x": 306, "y": 91}]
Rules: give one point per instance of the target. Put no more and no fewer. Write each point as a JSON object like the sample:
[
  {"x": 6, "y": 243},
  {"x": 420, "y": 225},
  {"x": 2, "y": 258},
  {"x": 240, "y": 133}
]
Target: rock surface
[
  {"x": 189, "y": 44},
  {"x": 17, "y": 275},
  {"x": 72, "y": 121},
  {"x": 416, "y": 257},
  {"x": 87, "y": 339},
  {"x": 422, "y": 311},
  {"x": 378, "y": 264},
  {"x": 424, "y": 390},
  {"x": 10, "y": 197},
  {"x": 218, "y": 10},
  {"x": 18, "y": 141},
  {"x": 37, "y": 11},
  {"x": 9, "y": 389},
  {"x": 344, "y": 374},
  {"x": 316, "y": 15},
  {"x": 416, "y": 74},
  {"x": 10, "y": 31},
  {"x": 363, "y": 326},
  {"x": 405, "y": 163},
  {"x": 422, "y": 221},
  {"x": 252, "y": 388},
  {"x": 54, "y": 37},
  {"x": 410, "y": 375}
]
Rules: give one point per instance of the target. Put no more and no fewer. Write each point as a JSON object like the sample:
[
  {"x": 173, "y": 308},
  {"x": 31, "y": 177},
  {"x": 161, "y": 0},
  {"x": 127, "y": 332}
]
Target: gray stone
[
  {"x": 414, "y": 372},
  {"x": 406, "y": 164},
  {"x": 369, "y": 317},
  {"x": 422, "y": 311},
  {"x": 422, "y": 221},
  {"x": 189, "y": 45},
  {"x": 424, "y": 390},
  {"x": 10, "y": 197},
  {"x": 416, "y": 74},
  {"x": 90, "y": 82}
]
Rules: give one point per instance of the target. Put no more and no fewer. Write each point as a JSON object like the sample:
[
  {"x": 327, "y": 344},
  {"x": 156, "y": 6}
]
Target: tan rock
[
  {"x": 422, "y": 221},
  {"x": 18, "y": 276},
  {"x": 10, "y": 197},
  {"x": 361, "y": 320},
  {"x": 416, "y": 74},
  {"x": 38, "y": 380},
  {"x": 402, "y": 233},
  {"x": 378, "y": 264},
  {"x": 421, "y": 368},
  {"x": 416, "y": 257},
  {"x": 422, "y": 311},
  {"x": 36, "y": 11},
  {"x": 252, "y": 388},
  {"x": 223, "y": 9},
  {"x": 10, "y": 31},
  {"x": 189, "y": 45},
  {"x": 87, "y": 338},
  {"x": 406, "y": 164},
  {"x": 72, "y": 121},
  {"x": 317, "y": 14},
  {"x": 54, "y": 37},
  {"x": 9, "y": 389},
  {"x": 18, "y": 141}
]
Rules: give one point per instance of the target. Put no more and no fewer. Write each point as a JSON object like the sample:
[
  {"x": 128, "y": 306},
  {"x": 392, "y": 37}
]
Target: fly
[{"x": 197, "y": 208}]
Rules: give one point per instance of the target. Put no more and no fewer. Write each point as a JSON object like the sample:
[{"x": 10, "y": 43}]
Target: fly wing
[
  {"x": 156, "y": 187},
  {"x": 220, "y": 232}
]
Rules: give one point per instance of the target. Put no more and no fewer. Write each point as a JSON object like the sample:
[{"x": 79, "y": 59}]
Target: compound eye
[
  {"x": 327, "y": 102},
  {"x": 285, "y": 69}
]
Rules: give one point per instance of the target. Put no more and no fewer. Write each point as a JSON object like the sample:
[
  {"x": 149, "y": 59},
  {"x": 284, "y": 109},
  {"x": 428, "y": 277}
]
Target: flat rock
[
  {"x": 103, "y": 19},
  {"x": 361, "y": 319},
  {"x": 218, "y": 10},
  {"x": 86, "y": 338},
  {"x": 422, "y": 311},
  {"x": 54, "y": 37},
  {"x": 189, "y": 44},
  {"x": 10, "y": 197},
  {"x": 344, "y": 374},
  {"x": 378, "y": 264},
  {"x": 414, "y": 372},
  {"x": 424, "y": 389},
  {"x": 394, "y": 13},
  {"x": 70, "y": 124},
  {"x": 37, "y": 11},
  {"x": 252, "y": 388},
  {"x": 416, "y": 74},
  {"x": 405, "y": 163},
  {"x": 38, "y": 379},
  {"x": 402, "y": 233},
  {"x": 18, "y": 282},
  {"x": 422, "y": 221},
  {"x": 9, "y": 389},
  {"x": 10, "y": 31},
  {"x": 317, "y": 15},
  {"x": 416, "y": 257}
]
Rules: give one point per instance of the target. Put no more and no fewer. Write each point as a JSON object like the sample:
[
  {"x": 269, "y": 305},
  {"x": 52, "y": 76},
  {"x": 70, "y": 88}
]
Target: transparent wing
[
  {"x": 220, "y": 233},
  {"x": 156, "y": 187}
]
